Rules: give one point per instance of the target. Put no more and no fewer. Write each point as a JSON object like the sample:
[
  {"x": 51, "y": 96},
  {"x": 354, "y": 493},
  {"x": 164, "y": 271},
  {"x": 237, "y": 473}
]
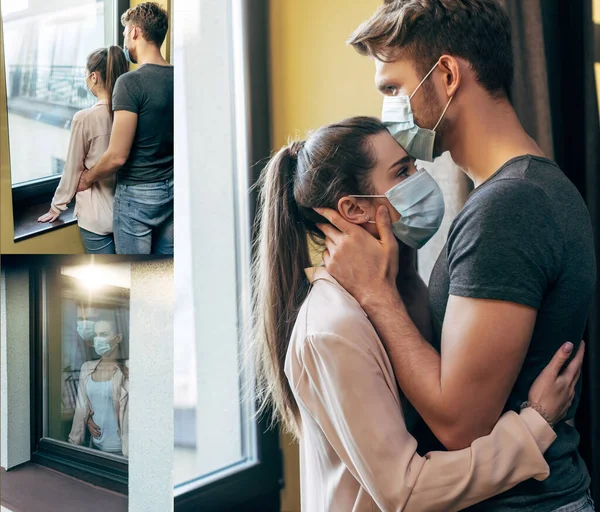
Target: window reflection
[
  {"x": 92, "y": 341},
  {"x": 45, "y": 46}
]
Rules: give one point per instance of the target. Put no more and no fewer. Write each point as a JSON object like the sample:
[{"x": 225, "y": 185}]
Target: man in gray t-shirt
[
  {"x": 141, "y": 142},
  {"x": 516, "y": 277},
  {"x": 148, "y": 92}
]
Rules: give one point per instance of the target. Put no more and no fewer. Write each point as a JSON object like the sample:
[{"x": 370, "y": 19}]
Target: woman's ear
[
  {"x": 119, "y": 339},
  {"x": 354, "y": 210}
]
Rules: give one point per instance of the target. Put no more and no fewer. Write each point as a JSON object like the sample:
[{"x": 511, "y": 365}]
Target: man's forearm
[
  {"x": 416, "y": 363},
  {"x": 108, "y": 165}
]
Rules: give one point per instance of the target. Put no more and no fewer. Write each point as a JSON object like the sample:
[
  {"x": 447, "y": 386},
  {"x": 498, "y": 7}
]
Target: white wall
[
  {"x": 151, "y": 387},
  {"x": 15, "y": 446}
]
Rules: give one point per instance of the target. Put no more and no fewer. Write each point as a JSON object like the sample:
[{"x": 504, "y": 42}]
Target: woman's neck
[{"x": 102, "y": 95}]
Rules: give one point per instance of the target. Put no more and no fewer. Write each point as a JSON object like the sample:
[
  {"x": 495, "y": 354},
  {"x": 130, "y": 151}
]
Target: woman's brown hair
[
  {"x": 110, "y": 63},
  {"x": 334, "y": 161}
]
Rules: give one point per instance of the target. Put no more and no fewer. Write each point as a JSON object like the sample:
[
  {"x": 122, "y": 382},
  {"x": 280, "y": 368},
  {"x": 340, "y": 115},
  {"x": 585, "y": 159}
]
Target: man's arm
[
  {"x": 484, "y": 344},
  {"x": 121, "y": 140}
]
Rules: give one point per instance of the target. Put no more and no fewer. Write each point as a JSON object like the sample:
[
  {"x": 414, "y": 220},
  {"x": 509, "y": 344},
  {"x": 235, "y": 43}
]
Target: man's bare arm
[
  {"x": 484, "y": 343},
  {"x": 121, "y": 140}
]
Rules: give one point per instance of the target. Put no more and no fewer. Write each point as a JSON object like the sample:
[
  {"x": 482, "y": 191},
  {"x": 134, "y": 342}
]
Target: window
[
  {"x": 83, "y": 347},
  {"x": 224, "y": 457},
  {"x": 45, "y": 46}
]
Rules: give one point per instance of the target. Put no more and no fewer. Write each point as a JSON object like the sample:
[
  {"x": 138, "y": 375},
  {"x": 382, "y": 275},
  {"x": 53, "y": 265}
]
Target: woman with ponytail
[
  {"x": 90, "y": 135},
  {"x": 320, "y": 366}
]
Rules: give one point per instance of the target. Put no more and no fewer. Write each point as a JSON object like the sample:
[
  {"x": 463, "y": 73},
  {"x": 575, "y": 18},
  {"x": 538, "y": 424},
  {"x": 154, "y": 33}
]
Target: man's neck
[
  {"x": 150, "y": 54},
  {"x": 489, "y": 135}
]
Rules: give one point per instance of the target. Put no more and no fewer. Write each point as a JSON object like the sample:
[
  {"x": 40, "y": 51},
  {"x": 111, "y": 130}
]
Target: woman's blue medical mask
[
  {"x": 102, "y": 345},
  {"x": 397, "y": 116},
  {"x": 420, "y": 202},
  {"x": 85, "y": 329}
]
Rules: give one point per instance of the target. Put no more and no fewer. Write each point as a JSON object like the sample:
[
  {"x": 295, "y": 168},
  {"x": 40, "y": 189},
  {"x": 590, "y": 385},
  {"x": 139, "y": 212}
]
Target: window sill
[
  {"x": 27, "y": 225},
  {"x": 26, "y": 487}
]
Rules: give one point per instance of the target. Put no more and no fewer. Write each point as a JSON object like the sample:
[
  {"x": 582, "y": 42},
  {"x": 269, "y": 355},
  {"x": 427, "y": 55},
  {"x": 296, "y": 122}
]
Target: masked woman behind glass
[
  {"x": 103, "y": 395},
  {"x": 90, "y": 135},
  {"x": 320, "y": 363}
]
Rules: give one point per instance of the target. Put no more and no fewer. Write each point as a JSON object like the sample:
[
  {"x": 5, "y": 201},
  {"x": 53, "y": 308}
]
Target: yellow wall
[
  {"x": 596, "y": 18},
  {"x": 315, "y": 79},
  {"x": 66, "y": 240}
]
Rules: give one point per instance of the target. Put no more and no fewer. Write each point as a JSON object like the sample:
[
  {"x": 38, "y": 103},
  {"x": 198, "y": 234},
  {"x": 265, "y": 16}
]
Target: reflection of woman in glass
[
  {"x": 90, "y": 134},
  {"x": 102, "y": 395}
]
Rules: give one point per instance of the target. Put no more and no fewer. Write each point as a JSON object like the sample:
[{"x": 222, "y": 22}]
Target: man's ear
[
  {"x": 451, "y": 67},
  {"x": 354, "y": 210}
]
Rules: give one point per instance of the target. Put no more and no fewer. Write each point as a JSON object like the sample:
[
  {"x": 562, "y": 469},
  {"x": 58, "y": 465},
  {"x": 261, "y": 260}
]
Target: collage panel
[
  {"x": 87, "y": 127},
  {"x": 74, "y": 425}
]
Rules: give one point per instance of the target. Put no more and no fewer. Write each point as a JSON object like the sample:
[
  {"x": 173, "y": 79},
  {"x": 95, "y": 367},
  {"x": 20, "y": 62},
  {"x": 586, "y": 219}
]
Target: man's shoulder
[
  {"x": 129, "y": 77},
  {"x": 507, "y": 196}
]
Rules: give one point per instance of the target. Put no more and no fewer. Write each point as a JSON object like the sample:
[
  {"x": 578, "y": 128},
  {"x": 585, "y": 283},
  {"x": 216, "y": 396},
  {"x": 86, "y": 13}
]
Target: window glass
[
  {"x": 46, "y": 43},
  {"x": 214, "y": 428},
  {"x": 87, "y": 357}
]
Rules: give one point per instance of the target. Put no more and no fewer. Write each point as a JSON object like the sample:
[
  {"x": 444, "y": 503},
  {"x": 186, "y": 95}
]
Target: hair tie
[{"x": 295, "y": 148}]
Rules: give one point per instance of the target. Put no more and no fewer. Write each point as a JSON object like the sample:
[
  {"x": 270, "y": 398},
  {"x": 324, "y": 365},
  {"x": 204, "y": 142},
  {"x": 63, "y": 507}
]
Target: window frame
[
  {"x": 41, "y": 190},
  {"x": 249, "y": 484},
  {"x": 95, "y": 468}
]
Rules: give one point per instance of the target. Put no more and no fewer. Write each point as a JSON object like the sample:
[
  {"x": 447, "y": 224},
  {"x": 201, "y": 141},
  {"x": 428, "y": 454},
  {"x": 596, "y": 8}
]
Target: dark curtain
[
  {"x": 555, "y": 97},
  {"x": 569, "y": 50}
]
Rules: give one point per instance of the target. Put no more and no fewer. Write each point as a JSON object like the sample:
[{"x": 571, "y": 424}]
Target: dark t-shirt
[
  {"x": 524, "y": 236},
  {"x": 147, "y": 91}
]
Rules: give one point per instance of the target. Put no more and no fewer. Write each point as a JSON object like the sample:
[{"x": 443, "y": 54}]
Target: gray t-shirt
[
  {"x": 525, "y": 236},
  {"x": 147, "y": 91}
]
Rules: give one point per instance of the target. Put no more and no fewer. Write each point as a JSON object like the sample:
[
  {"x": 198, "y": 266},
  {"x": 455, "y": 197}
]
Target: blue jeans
[
  {"x": 585, "y": 504},
  {"x": 97, "y": 244},
  {"x": 143, "y": 218}
]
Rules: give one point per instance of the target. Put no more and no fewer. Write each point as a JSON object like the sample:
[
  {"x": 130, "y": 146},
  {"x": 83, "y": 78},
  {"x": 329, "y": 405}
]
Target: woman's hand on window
[{"x": 51, "y": 216}]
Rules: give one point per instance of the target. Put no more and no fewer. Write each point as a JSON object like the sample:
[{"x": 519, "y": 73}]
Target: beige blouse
[
  {"x": 355, "y": 451},
  {"x": 90, "y": 135}
]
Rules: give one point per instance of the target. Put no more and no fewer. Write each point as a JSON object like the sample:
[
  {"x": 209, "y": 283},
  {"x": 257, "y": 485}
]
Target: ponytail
[
  {"x": 279, "y": 284},
  {"x": 116, "y": 65}
]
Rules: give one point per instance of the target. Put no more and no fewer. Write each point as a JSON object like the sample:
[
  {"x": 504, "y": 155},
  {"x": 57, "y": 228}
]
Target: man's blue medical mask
[
  {"x": 397, "y": 116},
  {"x": 85, "y": 329},
  {"x": 128, "y": 55}
]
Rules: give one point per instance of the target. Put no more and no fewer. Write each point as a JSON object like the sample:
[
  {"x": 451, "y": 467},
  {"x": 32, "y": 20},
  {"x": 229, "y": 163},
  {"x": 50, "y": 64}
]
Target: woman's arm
[
  {"x": 78, "y": 427},
  {"x": 344, "y": 389},
  {"x": 79, "y": 145}
]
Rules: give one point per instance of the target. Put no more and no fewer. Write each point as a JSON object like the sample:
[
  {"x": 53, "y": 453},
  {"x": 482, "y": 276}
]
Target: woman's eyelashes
[{"x": 403, "y": 172}]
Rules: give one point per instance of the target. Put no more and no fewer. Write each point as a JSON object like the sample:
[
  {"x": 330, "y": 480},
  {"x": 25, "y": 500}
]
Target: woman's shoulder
[
  {"x": 88, "y": 366},
  {"x": 90, "y": 115},
  {"x": 81, "y": 115},
  {"x": 329, "y": 310}
]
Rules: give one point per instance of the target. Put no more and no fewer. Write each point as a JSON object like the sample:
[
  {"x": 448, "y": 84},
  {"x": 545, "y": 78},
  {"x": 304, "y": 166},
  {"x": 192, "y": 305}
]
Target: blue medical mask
[
  {"x": 85, "y": 329},
  {"x": 128, "y": 56},
  {"x": 397, "y": 116},
  {"x": 420, "y": 202},
  {"x": 102, "y": 345}
]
